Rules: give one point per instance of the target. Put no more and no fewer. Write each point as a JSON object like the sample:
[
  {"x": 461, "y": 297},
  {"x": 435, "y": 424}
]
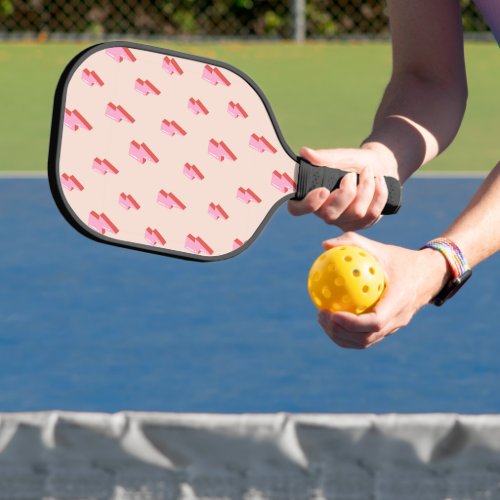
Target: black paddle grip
[{"x": 312, "y": 177}]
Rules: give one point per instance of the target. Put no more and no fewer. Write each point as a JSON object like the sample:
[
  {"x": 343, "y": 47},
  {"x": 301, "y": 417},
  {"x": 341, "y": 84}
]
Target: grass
[{"x": 323, "y": 94}]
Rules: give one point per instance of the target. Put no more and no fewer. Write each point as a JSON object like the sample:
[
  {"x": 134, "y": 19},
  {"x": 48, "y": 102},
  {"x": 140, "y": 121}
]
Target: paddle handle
[{"x": 312, "y": 177}]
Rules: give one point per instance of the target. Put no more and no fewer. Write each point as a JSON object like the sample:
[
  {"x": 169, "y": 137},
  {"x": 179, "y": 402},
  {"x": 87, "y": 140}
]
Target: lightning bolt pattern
[{"x": 169, "y": 152}]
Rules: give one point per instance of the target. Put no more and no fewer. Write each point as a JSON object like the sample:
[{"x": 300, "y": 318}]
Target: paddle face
[{"x": 165, "y": 152}]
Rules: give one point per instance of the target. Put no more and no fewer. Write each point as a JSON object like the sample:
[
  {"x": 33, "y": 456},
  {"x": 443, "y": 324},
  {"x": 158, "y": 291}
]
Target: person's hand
[
  {"x": 413, "y": 278},
  {"x": 351, "y": 206}
]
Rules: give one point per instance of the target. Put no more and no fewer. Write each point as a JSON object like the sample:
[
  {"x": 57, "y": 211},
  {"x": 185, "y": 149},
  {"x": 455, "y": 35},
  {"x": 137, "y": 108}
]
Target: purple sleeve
[{"x": 490, "y": 9}]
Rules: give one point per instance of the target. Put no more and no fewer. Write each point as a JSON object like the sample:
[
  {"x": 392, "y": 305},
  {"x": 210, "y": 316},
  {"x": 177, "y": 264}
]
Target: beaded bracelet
[
  {"x": 452, "y": 254},
  {"x": 460, "y": 269}
]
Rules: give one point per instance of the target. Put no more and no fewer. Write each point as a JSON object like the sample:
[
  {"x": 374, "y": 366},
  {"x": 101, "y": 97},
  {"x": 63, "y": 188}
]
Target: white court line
[
  {"x": 453, "y": 174},
  {"x": 431, "y": 174}
]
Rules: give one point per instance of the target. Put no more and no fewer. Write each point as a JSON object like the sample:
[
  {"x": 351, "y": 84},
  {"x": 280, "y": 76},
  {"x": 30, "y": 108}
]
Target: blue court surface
[{"x": 91, "y": 327}]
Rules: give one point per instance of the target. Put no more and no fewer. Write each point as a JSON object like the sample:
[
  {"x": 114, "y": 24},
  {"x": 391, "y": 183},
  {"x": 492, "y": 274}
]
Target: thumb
[
  {"x": 352, "y": 159},
  {"x": 349, "y": 238},
  {"x": 311, "y": 155}
]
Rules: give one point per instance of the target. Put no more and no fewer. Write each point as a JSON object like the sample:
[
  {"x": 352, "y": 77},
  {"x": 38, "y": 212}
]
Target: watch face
[{"x": 451, "y": 288}]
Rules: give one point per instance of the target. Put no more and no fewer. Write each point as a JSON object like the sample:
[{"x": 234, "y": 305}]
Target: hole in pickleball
[
  {"x": 348, "y": 258},
  {"x": 317, "y": 276},
  {"x": 346, "y": 299},
  {"x": 317, "y": 300},
  {"x": 356, "y": 273},
  {"x": 336, "y": 306},
  {"x": 366, "y": 289},
  {"x": 363, "y": 254},
  {"x": 379, "y": 287},
  {"x": 330, "y": 268},
  {"x": 339, "y": 281},
  {"x": 360, "y": 309},
  {"x": 327, "y": 293},
  {"x": 372, "y": 270}
]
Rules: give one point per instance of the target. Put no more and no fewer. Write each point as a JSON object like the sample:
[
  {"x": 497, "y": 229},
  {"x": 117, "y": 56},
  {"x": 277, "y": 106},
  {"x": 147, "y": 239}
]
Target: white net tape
[{"x": 163, "y": 456}]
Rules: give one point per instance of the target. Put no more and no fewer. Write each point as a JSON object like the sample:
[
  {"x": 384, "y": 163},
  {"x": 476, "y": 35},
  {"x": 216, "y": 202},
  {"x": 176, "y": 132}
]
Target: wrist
[
  {"x": 386, "y": 156},
  {"x": 437, "y": 272}
]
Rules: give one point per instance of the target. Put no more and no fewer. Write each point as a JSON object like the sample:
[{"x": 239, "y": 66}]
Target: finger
[
  {"x": 349, "y": 338},
  {"x": 338, "y": 334},
  {"x": 365, "y": 191},
  {"x": 375, "y": 339},
  {"x": 341, "y": 339},
  {"x": 392, "y": 311},
  {"x": 362, "y": 340},
  {"x": 344, "y": 344},
  {"x": 311, "y": 203},
  {"x": 366, "y": 209},
  {"x": 358, "y": 224},
  {"x": 380, "y": 195},
  {"x": 356, "y": 339},
  {"x": 362, "y": 324},
  {"x": 372, "y": 343},
  {"x": 384, "y": 319},
  {"x": 338, "y": 201},
  {"x": 393, "y": 332},
  {"x": 324, "y": 318}
]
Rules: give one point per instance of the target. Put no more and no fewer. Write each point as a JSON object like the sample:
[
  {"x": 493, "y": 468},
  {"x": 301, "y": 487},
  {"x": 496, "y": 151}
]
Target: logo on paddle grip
[{"x": 312, "y": 177}]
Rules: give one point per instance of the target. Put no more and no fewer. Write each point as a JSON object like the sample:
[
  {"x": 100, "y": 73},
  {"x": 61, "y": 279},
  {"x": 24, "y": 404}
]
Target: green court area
[{"x": 323, "y": 94}]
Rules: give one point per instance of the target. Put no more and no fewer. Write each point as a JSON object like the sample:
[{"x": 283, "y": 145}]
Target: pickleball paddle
[{"x": 171, "y": 153}]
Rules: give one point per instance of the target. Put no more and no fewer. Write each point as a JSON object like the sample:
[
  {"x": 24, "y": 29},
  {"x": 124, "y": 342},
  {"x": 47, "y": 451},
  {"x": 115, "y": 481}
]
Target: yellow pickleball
[{"x": 346, "y": 278}]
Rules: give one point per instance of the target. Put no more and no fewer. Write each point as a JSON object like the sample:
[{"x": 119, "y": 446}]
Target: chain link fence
[{"x": 283, "y": 19}]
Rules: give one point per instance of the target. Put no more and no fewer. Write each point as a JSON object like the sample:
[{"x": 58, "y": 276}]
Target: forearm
[
  {"x": 424, "y": 103},
  {"x": 477, "y": 230},
  {"x": 416, "y": 120}
]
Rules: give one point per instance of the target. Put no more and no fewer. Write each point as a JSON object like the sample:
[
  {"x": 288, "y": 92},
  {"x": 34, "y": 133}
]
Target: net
[{"x": 159, "y": 456}]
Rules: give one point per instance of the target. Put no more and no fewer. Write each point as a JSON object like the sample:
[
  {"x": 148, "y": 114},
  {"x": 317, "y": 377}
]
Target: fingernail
[
  {"x": 323, "y": 194},
  {"x": 347, "y": 178}
]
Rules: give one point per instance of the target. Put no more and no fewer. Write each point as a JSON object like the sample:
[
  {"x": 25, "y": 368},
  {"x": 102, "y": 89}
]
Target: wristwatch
[{"x": 460, "y": 270}]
